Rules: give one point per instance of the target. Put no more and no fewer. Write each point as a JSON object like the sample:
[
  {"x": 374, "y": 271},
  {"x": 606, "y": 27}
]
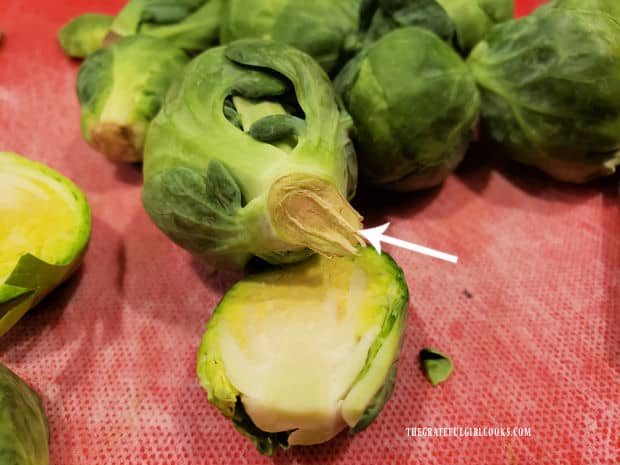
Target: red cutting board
[{"x": 530, "y": 315}]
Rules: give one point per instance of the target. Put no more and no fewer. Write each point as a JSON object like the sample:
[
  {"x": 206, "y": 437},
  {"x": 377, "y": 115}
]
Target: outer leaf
[
  {"x": 24, "y": 432},
  {"x": 318, "y": 27},
  {"x": 610, "y": 7},
  {"x": 437, "y": 366},
  {"x": 37, "y": 279}
]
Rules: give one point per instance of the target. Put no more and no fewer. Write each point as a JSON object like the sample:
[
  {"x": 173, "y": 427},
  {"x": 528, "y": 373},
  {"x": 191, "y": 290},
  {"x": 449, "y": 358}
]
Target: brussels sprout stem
[
  {"x": 119, "y": 143},
  {"x": 309, "y": 211},
  {"x": 111, "y": 38}
]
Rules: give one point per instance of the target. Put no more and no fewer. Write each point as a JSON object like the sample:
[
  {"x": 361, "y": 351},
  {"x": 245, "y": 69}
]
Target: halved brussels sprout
[
  {"x": 84, "y": 34},
  {"x": 295, "y": 355},
  {"x": 24, "y": 432},
  {"x": 44, "y": 231},
  {"x": 121, "y": 88}
]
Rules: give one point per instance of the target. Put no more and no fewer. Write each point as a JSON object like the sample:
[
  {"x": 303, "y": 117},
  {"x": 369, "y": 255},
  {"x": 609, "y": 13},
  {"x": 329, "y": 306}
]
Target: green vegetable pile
[{"x": 253, "y": 120}]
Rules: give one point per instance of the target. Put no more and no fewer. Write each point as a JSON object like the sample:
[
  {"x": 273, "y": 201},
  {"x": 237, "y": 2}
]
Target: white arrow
[{"x": 375, "y": 236}]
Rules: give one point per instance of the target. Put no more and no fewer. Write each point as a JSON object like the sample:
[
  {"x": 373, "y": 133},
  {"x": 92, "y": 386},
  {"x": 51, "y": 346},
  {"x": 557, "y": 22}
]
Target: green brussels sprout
[
  {"x": 611, "y": 7},
  {"x": 192, "y": 25},
  {"x": 295, "y": 355},
  {"x": 250, "y": 156},
  {"x": 44, "y": 231},
  {"x": 318, "y": 27},
  {"x": 24, "y": 432},
  {"x": 379, "y": 17},
  {"x": 121, "y": 88},
  {"x": 414, "y": 105},
  {"x": 461, "y": 22},
  {"x": 550, "y": 86},
  {"x": 474, "y": 18},
  {"x": 84, "y": 34}
]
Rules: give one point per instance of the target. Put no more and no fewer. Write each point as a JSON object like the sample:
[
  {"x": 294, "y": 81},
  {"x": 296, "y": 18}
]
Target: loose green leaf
[
  {"x": 24, "y": 432},
  {"x": 437, "y": 366}
]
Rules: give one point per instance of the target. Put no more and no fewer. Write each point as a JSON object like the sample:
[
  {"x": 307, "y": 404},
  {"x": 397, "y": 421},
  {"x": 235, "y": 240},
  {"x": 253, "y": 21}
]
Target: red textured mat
[{"x": 530, "y": 315}]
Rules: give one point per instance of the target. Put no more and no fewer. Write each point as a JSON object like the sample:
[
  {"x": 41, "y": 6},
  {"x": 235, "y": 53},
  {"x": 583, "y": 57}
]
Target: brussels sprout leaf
[{"x": 437, "y": 366}]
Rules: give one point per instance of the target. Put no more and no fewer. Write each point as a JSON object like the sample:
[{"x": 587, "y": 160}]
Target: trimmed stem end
[{"x": 311, "y": 212}]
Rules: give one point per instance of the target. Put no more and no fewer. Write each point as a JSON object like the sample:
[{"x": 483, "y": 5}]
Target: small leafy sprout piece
[
  {"x": 192, "y": 25},
  {"x": 295, "y": 355},
  {"x": 437, "y": 367},
  {"x": 121, "y": 88},
  {"x": 84, "y": 34},
  {"x": 550, "y": 87},
  {"x": 250, "y": 157},
  {"x": 45, "y": 226},
  {"x": 24, "y": 432}
]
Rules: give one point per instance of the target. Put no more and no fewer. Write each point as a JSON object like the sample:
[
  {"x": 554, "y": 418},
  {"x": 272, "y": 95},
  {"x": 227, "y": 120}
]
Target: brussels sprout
[
  {"x": 550, "y": 86},
  {"x": 84, "y": 34},
  {"x": 414, "y": 104},
  {"x": 379, "y": 17},
  {"x": 44, "y": 230},
  {"x": 24, "y": 433},
  {"x": 295, "y": 355},
  {"x": 238, "y": 163},
  {"x": 121, "y": 88},
  {"x": 474, "y": 18},
  {"x": 611, "y": 7},
  {"x": 461, "y": 22},
  {"x": 318, "y": 27},
  {"x": 192, "y": 25}
]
